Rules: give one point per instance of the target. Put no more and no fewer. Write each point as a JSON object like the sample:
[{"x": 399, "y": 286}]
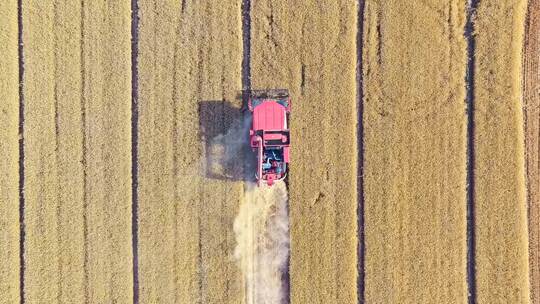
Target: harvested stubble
[
  {"x": 189, "y": 78},
  {"x": 309, "y": 48},
  {"x": 415, "y": 152},
  {"x": 77, "y": 147},
  {"x": 262, "y": 235},
  {"x": 531, "y": 89},
  {"x": 9, "y": 154},
  {"x": 499, "y": 196}
]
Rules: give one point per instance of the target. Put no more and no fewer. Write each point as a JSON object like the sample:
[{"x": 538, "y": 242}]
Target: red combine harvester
[{"x": 269, "y": 134}]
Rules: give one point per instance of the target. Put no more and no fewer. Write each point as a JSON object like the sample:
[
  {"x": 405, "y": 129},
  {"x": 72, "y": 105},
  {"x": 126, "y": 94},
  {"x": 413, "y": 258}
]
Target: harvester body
[{"x": 269, "y": 134}]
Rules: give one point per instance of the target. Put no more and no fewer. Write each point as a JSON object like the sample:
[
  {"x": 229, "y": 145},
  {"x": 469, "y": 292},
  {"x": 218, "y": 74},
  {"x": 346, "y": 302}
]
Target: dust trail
[
  {"x": 262, "y": 235},
  {"x": 262, "y": 224},
  {"x": 228, "y": 155}
]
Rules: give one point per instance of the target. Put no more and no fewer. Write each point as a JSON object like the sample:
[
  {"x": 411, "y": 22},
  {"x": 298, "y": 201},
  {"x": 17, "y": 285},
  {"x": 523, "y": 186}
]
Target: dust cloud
[
  {"x": 262, "y": 224},
  {"x": 262, "y": 235},
  {"x": 228, "y": 156}
]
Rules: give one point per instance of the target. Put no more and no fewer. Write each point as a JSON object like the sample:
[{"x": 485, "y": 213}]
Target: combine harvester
[{"x": 269, "y": 134}]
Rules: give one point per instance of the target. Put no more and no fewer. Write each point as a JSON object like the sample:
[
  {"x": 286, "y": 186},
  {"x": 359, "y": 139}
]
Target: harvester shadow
[{"x": 224, "y": 131}]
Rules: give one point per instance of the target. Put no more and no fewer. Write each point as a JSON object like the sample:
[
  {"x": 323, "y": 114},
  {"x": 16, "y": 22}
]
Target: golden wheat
[
  {"x": 415, "y": 148},
  {"x": 189, "y": 66},
  {"x": 9, "y": 151},
  {"x": 500, "y": 203},
  {"x": 77, "y": 152},
  {"x": 531, "y": 81},
  {"x": 309, "y": 48}
]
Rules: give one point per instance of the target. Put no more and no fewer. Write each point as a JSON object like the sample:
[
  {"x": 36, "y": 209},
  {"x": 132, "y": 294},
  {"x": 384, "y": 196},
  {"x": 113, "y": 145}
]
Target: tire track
[
  {"x": 246, "y": 48},
  {"x": 22, "y": 230},
  {"x": 135, "y": 146},
  {"x": 469, "y": 80},
  {"x": 361, "y": 247}
]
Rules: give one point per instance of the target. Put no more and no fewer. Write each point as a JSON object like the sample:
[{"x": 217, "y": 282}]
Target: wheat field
[{"x": 414, "y": 173}]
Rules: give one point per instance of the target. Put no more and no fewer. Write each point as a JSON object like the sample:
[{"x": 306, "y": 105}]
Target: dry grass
[
  {"x": 309, "y": 48},
  {"x": 77, "y": 148},
  {"x": 415, "y": 149},
  {"x": 9, "y": 154},
  {"x": 189, "y": 67},
  {"x": 531, "y": 89},
  {"x": 500, "y": 211}
]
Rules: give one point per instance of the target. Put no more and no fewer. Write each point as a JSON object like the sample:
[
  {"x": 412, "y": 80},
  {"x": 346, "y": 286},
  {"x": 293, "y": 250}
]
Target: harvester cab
[{"x": 269, "y": 134}]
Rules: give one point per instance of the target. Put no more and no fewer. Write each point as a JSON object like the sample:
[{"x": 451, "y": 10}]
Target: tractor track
[
  {"x": 246, "y": 49},
  {"x": 134, "y": 146},
  {"x": 361, "y": 247},
  {"x": 469, "y": 80},
  {"x": 21, "y": 151}
]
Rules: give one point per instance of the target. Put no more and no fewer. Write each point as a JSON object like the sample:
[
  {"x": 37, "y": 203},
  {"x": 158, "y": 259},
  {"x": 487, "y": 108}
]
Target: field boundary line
[
  {"x": 246, "y": 49},
  {"x": 469, "y": 81},
  {"x": 134, "y": 147},
  {"x": 21, "y": 151},
  {"x": 361, "y": 246}
]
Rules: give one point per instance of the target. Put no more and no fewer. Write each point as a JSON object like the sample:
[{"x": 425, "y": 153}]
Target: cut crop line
[
  {"x": 134, "y": 147},
  {"x": 246, "y": 48},
  {"x": 361, "y": 247},
  {"x": 469, "y": 79},
  {"x": 21, "y": 152}
]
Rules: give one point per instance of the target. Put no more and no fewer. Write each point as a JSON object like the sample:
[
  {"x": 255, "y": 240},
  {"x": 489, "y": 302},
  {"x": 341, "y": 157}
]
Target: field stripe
[
  {"x": 360, "y": 211},
  {"x": 68, "y": 148},
  {"x": 469, "y": 99},
  {"x": 189, "y": 78},
  {"x": 500, "y": 197},
  {"x": 157, "y": 270},
  {"x": 309, "y": 48},
  {"x": 107, "y": 137},
  {"x": 135, "y": 147},
  {"x": 415, "y": 152},
  {"x": 531, "y": 83},
  {"x": 76, "y": 142},
  {"x": 9, "y": 161},
  {"x": 45, "y": 148}
]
